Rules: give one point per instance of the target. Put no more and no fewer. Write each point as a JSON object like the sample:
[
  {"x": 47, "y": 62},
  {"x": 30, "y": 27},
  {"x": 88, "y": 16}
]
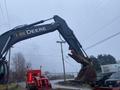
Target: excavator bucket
[{"x": 87, "y": 73}]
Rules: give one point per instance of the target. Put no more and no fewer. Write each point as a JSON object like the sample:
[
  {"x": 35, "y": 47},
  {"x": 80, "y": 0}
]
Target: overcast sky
[{"x": 90, "y": 20}]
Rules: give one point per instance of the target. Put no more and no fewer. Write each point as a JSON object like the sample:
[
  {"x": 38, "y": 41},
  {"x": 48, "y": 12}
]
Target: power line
[
  {"x": 67, "y": 58},
  {"x": 102, "y": 41},
  {"x": 68, "y": 62},
  {"x": 7, "y": 13},
  {"x": 104, "y": 26},
  {"x": 1, "y": 10},
  {"x": 71, "y": 64}
]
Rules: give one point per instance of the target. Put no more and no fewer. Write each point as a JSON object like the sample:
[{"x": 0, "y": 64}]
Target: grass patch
[
  {"x": 10, "y": 86},
  {"x": 16, "y": 88}
]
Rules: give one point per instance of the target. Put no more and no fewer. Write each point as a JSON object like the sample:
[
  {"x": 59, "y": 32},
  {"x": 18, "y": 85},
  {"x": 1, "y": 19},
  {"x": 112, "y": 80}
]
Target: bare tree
[
  {"x": 28, "y": 65},
  {"x": 19, "y": 67}
]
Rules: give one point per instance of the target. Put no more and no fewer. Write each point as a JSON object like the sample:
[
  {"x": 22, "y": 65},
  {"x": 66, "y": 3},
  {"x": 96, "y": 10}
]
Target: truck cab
[{"x": 36, "y": 81}]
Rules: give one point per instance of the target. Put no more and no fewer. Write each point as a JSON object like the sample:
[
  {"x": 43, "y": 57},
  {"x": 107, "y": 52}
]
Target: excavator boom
[
  {"x": 18, "y": 34},
  {"x": 11, "y": 37}
]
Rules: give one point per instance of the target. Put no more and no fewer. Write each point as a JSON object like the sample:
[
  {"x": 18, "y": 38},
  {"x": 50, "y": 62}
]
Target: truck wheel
[
  {"x": 31, "y": 88},
  {"x": 50, "y": 86}
]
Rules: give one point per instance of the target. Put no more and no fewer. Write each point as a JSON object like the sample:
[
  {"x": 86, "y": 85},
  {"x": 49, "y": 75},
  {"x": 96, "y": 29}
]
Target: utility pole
[
  {"x": 40, "y": 67},
  {"x": 61, "y": 44}
]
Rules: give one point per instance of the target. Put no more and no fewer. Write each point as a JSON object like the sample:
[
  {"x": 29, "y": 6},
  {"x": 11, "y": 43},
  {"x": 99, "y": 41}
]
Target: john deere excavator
[{"x": 8, "y": 39}]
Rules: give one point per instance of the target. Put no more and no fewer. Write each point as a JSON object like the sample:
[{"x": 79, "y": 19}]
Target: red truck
[{"x": 36, "y": 81}]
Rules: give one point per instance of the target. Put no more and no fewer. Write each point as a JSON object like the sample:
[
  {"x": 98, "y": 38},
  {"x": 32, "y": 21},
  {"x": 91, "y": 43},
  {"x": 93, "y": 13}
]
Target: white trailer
[{"x": 110, "y": 68}]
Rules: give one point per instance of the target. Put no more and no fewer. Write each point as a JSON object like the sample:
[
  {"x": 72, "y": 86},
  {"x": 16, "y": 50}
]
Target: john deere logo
[{"x": 35, "y": 30}]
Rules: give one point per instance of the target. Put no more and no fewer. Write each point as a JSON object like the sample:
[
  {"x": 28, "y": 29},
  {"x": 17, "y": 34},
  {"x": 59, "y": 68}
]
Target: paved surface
[
  {"x": 60, "y": 87},
  {"x": 22, "y": 84},
  {"x": 55, "y": 86}
]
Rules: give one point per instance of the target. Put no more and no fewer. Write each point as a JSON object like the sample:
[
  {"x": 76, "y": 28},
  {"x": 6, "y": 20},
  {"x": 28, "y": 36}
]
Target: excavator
[{"x": 86, "y": 74}]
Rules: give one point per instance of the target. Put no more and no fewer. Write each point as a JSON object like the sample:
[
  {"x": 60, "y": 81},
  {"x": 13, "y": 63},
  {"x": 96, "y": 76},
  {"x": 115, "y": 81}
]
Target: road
[
  {"x": 60, "y": 87},
  {"x": 22, "y": 84}
]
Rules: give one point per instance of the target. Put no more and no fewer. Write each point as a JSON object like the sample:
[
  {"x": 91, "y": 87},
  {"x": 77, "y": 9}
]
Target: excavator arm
[
  {"x": 21, "y": 33},
  {"x": 28, "y": 31}
]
